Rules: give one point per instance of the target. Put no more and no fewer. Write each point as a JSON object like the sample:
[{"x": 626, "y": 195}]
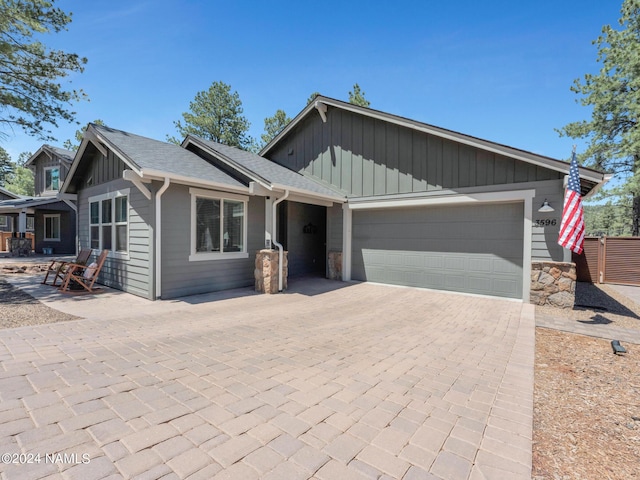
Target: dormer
[{"x": 50, "y": 166}]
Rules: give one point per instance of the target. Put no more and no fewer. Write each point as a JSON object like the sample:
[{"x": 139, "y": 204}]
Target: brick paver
[{"x": 363, "y": 381}]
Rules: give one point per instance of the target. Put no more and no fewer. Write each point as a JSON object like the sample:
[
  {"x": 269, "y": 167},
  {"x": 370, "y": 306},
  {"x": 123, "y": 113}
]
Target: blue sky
[{"x": 498, "y": 70}]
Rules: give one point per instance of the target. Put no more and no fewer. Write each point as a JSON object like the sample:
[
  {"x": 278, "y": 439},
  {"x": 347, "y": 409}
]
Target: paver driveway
[{"x": 365, "y": 381}]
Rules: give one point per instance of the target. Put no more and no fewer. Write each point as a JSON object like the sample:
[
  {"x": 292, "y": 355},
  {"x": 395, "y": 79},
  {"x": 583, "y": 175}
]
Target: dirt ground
[
  {"x": 587, "y": 399},
  {"x": 586, "y": 402}
]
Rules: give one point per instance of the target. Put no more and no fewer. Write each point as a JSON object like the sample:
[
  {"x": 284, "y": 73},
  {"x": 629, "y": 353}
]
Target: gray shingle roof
[
  {"x": 148, "y": 154},
  {"x": 63, "y": 153},
  {"x": 272, "y": 172}
]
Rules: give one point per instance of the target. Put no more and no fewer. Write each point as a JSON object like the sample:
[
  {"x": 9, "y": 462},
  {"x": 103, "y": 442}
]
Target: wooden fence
[{"x": 609, "y": 260}]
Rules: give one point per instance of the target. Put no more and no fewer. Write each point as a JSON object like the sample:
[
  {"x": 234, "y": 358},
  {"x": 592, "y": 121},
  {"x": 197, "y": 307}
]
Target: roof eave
[
  {"x": 522, "y": 155},
  {"x": 253, "y": 176},
  {"x": 151, "y": 174},
  {"x": 310, "y": 194}
]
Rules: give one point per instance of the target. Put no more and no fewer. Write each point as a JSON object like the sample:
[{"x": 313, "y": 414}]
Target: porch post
[
  {"x": 22, "y": 223},
  {"x": 346, "y": 242}
]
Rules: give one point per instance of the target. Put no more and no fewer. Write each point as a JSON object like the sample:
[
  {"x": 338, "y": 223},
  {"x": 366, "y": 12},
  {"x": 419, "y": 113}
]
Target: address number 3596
[{"x": 545, "y": 223}]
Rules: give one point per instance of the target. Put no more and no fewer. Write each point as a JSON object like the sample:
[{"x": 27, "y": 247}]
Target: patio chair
[
  {"x": 58, "y": 268},
  {"x": 83, "y": 275}
]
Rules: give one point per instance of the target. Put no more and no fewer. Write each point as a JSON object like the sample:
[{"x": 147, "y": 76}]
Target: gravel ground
[
  {"x": 598, "y": 304},
  {"x": 18, "y": 309}
]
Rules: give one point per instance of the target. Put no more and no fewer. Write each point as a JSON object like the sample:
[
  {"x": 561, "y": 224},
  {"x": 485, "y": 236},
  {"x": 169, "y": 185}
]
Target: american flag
[{"x": 572, "y": 224}]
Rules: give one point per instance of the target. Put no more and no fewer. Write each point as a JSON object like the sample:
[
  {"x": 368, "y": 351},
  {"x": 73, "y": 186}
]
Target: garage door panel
[{"x": 476, "y": 249}]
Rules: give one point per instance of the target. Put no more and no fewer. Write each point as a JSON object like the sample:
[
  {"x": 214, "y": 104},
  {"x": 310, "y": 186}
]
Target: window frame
[
  {"x": 44, "y": 179},
  {"x": 4, "y": 221},
  {"x": 111, "y": 196},
  {"x": 196, "y": 256},
  {"x": 32, "y": 220},
  {"x": 51, "y": 216}
]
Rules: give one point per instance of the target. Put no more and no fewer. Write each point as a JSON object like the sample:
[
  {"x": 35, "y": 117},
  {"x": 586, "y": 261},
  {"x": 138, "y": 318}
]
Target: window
[
  {"x": 51, "y": 179},
  {"x": 218, "y": 225},
  {"x": 3, "y": 221},
  {"x": 109, "y": 222},
  {"x": 52, "y": 227},
  {"x": 30, "y": 224}
]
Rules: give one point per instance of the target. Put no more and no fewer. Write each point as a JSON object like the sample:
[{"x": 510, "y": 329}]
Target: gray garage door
[{"x": 469, "y": 248}]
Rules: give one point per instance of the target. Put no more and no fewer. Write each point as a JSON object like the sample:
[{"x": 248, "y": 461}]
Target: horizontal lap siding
[
  {"x": 132, "y": 275},
  {"x": 363, "y": 156},
  {"x": 180, "y": 276},
  {"x": 544, "y": 235}
]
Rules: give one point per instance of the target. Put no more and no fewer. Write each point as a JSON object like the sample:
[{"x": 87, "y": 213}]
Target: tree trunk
[{"x": 635, "y": 228}]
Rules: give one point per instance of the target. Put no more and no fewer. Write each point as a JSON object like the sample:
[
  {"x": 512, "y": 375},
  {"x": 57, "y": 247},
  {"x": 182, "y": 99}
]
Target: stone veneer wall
[
  {"x": 266, "y": 271},
  {"x": 335, "y": 265},
  {"x": 553, "y": 283}
]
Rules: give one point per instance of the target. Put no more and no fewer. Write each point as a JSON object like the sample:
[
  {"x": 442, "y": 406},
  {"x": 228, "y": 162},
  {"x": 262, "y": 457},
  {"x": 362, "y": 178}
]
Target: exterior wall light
[{"x": 546, "y": 207}]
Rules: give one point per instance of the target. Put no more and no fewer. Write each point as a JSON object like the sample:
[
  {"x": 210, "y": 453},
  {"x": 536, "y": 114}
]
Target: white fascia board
[
  {"x": 448, "y": 199},
  {"x": 309, "y": 194},
  {"x": 196, "y": 182},
  {"x": 594, "y": 190}
]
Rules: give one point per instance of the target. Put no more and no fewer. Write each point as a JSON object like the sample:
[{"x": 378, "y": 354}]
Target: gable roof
[
  {"x": 321, "y": 103},
  {"x": 267, "y": 173},
  {"x": 150, "y": 158},
  {"x": 9, "y": 194},
  {"x": 51, "y": 151}
]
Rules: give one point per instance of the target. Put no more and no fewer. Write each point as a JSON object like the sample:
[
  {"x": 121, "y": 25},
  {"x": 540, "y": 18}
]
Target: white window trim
[
  {"x": 4, "y": 221},
  {"x": 44, "y": 179},
  {"x": 111, "y": 196},
  {"x": 206, "y": 256},
  {"x": 33, "y": 224},
  {"x": 44, "y": 236}
]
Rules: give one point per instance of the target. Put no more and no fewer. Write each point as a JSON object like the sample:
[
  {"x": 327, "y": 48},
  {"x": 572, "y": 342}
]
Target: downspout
[
  {"x": 275, "y": 242},
  {"x": 158, "y": 247}
]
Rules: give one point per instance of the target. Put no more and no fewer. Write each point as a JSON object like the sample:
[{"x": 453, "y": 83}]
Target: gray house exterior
[
  {"x": 428, "y": 207},
  {"x": 394, "y": 200},
  {"x": 49, "y": 218},
  {"x": 162, "y": 245}
]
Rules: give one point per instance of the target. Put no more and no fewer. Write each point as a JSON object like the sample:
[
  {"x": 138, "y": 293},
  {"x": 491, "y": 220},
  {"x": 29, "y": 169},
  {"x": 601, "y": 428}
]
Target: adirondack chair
[
  {"x": 58, "y": 268},
  {"x": 84, "y": 275}
]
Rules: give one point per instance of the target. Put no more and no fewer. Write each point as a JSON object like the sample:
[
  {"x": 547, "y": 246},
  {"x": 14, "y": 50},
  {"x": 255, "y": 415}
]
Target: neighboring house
[
  {"x": 6, "y": 221},
  {"x": 49, "y": 217},
  {"x": 395, "y": 200}
]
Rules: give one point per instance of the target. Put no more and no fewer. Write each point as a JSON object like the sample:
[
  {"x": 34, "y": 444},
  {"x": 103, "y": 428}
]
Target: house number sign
[{"x": 544, "y": 222}]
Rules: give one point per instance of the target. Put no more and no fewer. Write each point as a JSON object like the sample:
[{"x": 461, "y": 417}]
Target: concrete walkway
[{"x": 328, "y": 381}]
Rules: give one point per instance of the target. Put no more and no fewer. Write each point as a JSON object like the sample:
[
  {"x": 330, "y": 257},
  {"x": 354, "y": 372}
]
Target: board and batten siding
[
  {"x": 42, "y": 162},
  {"x": 180, "y": 276},
  {"x": 363, "y": 156},
  {"x": 132, "y": 274}
]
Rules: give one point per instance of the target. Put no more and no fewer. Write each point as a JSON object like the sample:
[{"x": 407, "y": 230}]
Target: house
[
  {"x": 48, "y": 218},
  {"x": 373, "y": 196},
  {"x": 429, "y": 207}
]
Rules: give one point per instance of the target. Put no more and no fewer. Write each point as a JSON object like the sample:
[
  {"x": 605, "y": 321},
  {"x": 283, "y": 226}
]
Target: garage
[{"x": 471, "y": 248}]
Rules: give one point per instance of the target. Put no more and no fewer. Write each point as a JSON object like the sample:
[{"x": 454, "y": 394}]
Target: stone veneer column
[
  {"x": 266, "y": 271},
  {"x": 335, "y": 265},
  {"x": 553, "y": 283}
]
